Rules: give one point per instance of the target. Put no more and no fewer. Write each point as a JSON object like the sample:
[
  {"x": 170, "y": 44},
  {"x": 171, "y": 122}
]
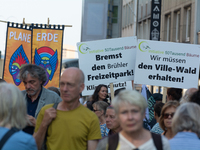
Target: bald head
[
  {"x": 188, "y": 94},
  {"x": 71, "y": 84},
  {"x": 75, "y": 71},
  {"x": 191, "y": 91}
]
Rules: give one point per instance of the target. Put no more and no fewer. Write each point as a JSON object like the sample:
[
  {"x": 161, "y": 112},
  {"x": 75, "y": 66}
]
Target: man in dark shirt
[{"x": 36, "y": 95}]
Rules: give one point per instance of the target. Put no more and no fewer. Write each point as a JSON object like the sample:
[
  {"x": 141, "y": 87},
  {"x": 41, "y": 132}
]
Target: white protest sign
[
  {"x": 167, "y": 64},
  {"x": 107, "y": 61},
  {"x": 127, "y": 85}
]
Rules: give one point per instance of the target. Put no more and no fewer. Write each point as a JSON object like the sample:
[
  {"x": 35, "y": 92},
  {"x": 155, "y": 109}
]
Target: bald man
[
  {"x": 71, "y": 126},
  {"x": 188, "y": 94}
]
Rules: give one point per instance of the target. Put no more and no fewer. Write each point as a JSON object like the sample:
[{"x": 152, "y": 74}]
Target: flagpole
[{"x": 31, "y": 23}]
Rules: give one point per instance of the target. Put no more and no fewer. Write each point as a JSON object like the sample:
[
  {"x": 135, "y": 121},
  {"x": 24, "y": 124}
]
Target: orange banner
[
  {"x": 47, "y": 52},
  {"x": 18, "y": 52}
]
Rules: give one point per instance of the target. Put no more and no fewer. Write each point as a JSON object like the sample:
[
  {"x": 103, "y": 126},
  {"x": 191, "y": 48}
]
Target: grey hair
[
  {"x": 101, "y": 105},
  {"x": 187, "y": 118},
  {"x": 12, "y": 106},
  {"x": 130, "y": 97},
  {"x": 34, "y": 71},
  {"x": 109, "y": 107}
]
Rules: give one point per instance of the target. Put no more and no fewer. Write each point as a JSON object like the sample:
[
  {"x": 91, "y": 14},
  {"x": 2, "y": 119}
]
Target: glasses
[{"x": 167, "y": 115}]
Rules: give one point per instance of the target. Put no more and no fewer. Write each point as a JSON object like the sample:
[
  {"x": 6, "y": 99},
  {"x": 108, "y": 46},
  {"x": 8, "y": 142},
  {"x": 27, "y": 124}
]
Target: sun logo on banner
[
  {"x": 144, "y": 46},
  {"x": 16, "y": 61},
  {"x": 48, "y": 59}
]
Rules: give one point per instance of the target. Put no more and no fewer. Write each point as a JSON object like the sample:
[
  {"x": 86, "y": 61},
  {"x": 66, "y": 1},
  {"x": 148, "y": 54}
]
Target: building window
[
  {"x": 177, "y": 26},
  {"x": 141, "y": 30},
  {"x": 124, "y": 17},
  {"x": 188, "y": 23},
  {"x": 141, "y": 11},
  {"x": 132, "y": 13},
  {"x": 146, "y": 9},
  {"x": 127, "y": 14},
  {"x": 149, "y": 8},
  {"x": 168, "y": 24},
  {"x": 115, "y": 14}
]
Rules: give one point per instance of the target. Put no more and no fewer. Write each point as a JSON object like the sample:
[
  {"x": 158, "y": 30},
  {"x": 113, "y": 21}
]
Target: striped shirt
[{"x": 185, "y": 141}]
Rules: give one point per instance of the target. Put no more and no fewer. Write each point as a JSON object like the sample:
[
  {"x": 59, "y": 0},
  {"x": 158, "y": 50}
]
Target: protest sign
[
  {"x": 107, "y": 61},
  {"x": 47, "y": 51},
  {"x": 167, "y": 64},
  {"x": 17, "y": 53},
  {"x": 91, "y": 88}
]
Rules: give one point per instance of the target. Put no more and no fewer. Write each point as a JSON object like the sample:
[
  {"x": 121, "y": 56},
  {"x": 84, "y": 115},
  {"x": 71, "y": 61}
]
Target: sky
[{"x": 63, "y": 12}]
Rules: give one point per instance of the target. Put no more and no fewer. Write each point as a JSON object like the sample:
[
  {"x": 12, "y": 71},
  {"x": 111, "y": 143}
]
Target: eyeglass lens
[{"x": 167, "y": 115}]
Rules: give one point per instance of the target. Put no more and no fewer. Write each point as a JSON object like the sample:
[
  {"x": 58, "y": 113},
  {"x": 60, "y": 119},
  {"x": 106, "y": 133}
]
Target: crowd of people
[{"x": 58, "y": 118}]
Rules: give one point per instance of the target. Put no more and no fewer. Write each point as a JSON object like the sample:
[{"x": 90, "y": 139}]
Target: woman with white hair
[
  {"x": 186, "y": 127},
  {"x": 130, "y": 108},
  {"x": 13, "y": 119}
]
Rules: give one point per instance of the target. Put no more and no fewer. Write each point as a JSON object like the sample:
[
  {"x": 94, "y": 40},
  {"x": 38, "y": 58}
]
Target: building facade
[
  {"x": 101, "y": 19},
  {"x": 144, "y": 19},
  {"x": 129, "y": 18},
  {"x": 180, "y": 21}
]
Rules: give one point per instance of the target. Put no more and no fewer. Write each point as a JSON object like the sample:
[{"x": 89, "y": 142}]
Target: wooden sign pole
[
  {"x": 48, "y": 22},
  {"x": 111, "y": 91},
  {"x": 164, "y": 94},
  {"x": 23, "y": 21}
]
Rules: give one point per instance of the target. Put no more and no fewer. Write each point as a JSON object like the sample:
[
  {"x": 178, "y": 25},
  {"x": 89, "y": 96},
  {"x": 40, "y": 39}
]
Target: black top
[{"x": 31, "y": 108}]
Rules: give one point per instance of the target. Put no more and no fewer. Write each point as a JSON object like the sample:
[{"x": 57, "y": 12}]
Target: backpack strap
[
  {"x": 157, "y": 140},
  {"x": 44, "y": 147},
  {"x": 113, "y": 141},
  {"x": 7, "y": 136},
  {"x": 55, "y": 105}
]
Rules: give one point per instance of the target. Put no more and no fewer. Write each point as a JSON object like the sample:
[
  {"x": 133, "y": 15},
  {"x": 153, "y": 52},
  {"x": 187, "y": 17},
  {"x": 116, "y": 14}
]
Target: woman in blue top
[
  {"x": 99, "y": 108},
  {"x": 186, "y": 127},
  {"x": 13, "y": 115}
]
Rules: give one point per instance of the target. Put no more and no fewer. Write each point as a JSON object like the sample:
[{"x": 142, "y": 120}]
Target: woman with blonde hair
[
  {"x": 186, "y": 127},
  {"x": 13, "y": 118},
  {"x": 130, "y": 109},
  {"x": 165, "y": 120}
]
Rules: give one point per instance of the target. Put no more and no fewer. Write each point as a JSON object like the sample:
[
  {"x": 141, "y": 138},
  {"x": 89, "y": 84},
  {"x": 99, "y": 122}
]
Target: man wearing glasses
[{"x": 72, "y": 126}]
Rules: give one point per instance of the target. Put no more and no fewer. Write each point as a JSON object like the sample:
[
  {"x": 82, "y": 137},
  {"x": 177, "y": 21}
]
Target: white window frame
[
  {"x": 168, "y": 27},
  {"x": 124, "y": 16},
  {"x": 129, "y": 14},
  {"x": 141, "y": 30},
  {"x": 188, "y": 23},
  {"x": 146, "y": 11},
  {"x": 142, "y": 11},
  {"x": 178, "y": 26}
]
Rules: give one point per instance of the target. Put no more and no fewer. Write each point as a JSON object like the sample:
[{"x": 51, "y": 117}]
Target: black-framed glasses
[{"x": 166, "y": 115}]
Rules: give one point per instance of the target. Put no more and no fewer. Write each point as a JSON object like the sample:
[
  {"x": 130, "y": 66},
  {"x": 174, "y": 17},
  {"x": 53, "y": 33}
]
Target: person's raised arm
[{"x": 42, "y": 125}]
